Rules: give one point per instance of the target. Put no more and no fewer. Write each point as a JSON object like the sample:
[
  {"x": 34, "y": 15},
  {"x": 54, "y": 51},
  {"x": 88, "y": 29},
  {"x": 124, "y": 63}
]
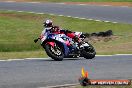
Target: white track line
[
  {"x": 60, "y": 15},
  {"x": 49, "y": 58},
  {"x": 82, "y": 18},
  {"x": 82, "y": 4},
  {"x": 116, "y": 55},
  {"x": 20, "y": 11},
  {"x": 11, "y": 10},
  {"x": 31, "y": 12},
  {"x": 98, "y": 20},
  {"x": 24, "y": 59},
  {"x": 10, "y": 1},
  {"x": 67, "y": 16},
  {"x": 97, "y": 5},
  {"x": 66, "y": 3},
  {"x": 15, "y": 59},
  {"x": 76, "y": 17},
  {"x": 39, "y": 13},
  {"x": 36, "y": 58},
  {"x": 2, "y": 60},
  {"x": 60, "y": 3},
  {"x": 106, "y": 21},
  {"x": 60, "y": 86},
  {"x": 33, "y": 2},
  {"x": 52, "y": 14},
  {"x": 104, "y": 55},
  {"x": 114, "y": 22},
  {"x": 90, "y": 19},
  {"x": 106, "y": 5},
  {"x": 123, "y": 54}
]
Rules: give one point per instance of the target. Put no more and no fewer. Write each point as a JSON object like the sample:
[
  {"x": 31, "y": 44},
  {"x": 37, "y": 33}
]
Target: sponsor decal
[{"x": 85, "y": 81}]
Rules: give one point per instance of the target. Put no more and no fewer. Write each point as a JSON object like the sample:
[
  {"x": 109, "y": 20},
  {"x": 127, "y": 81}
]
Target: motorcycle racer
[
  {"x": 59, "y": 44},
  {"x": 48, "y": 27}
]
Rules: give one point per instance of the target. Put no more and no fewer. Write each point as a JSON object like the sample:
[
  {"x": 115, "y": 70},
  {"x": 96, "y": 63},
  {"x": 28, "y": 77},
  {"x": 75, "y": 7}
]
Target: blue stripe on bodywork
[{"x": 66, "y": 49}]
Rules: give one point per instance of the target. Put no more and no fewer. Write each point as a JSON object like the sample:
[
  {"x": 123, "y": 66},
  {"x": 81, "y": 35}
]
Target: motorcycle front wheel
[{"x": 55, "y": 52}]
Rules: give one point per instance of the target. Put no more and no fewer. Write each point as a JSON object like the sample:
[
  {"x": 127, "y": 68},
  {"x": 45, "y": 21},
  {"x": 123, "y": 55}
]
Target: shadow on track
[{"x": 65, "y": 59}]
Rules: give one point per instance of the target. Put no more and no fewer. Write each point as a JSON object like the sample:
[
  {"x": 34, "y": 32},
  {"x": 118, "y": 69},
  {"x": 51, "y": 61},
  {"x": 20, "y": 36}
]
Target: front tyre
[
  {"x": 55, "y": 52},
  {"x": 89, "y": 52}
]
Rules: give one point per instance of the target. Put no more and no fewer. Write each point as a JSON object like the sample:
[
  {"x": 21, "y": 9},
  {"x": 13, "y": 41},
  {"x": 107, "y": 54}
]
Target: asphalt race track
[
  {"x": 39, "y": 73},
  {"x": 106, "y": 13}
]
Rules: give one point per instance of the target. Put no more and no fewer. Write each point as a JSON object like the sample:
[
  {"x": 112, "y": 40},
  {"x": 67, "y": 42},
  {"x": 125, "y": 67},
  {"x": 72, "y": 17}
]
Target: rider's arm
[{"x": 42, "y": 34}]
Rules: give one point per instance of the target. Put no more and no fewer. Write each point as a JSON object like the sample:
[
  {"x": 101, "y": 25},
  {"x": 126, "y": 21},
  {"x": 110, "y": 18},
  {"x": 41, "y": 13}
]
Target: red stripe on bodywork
[{"x": 51, "y": 43}]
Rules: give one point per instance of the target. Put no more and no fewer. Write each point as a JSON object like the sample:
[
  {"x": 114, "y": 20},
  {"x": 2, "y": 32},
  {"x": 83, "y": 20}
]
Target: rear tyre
[
  {"x": 55, "y": 52},
  {"x": 89, "y": 52}
]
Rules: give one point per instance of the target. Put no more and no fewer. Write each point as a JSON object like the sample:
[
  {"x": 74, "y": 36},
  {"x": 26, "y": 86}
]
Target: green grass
[
  {"x": 24, "y": 54},
  {"x": 18, "y": 30}
]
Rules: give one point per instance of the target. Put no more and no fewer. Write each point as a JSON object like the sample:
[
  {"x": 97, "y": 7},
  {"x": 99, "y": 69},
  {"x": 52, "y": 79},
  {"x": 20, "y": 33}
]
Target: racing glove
[{"x": 36, "y": 40}]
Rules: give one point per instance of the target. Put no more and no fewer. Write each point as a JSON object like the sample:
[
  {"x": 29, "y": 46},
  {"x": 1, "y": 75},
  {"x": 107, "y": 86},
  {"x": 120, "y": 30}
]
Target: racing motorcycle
[{"x": 59, "y": 46}]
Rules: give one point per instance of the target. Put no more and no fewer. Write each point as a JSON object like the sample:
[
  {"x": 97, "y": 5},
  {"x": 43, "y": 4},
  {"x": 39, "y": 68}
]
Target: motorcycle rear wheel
[{"x": 89, "y": 52}]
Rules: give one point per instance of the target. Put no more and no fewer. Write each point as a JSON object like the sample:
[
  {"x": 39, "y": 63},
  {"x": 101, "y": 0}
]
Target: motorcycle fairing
[
  {"x": 60, "y": 38},
  {"x": 51, "y": 43}
]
